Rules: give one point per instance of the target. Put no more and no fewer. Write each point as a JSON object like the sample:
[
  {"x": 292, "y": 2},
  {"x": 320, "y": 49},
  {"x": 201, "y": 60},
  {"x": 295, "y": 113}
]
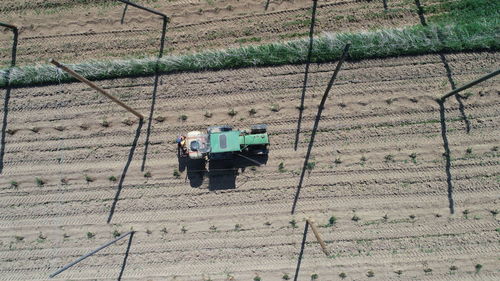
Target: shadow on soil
[
  {"x": 301, "y": 253},
  {"x": 125, "y": 169},
  {"x": 221, "y": 174},
  {"x": 446, "y": 155},
  {"x": 124, "y": 264}
]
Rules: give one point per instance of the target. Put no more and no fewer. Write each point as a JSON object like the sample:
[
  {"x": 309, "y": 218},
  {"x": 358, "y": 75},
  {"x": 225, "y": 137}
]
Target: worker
[{"x": 181, "y": 144}]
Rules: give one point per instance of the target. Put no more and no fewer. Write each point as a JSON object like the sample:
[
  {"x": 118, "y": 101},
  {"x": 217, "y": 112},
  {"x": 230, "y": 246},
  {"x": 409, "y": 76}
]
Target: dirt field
[
  {"x": 73, "y": 160},
  {"x": 380, "y": 113},
  {"x": 79, "y": 32}
]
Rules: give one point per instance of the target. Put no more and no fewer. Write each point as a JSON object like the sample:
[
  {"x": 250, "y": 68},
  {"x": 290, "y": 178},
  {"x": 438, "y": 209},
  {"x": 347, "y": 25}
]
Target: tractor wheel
[{"x": 259, "y": 129}]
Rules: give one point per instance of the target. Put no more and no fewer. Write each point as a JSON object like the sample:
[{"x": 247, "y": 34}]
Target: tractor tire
[{"x": 258, "y": 129}]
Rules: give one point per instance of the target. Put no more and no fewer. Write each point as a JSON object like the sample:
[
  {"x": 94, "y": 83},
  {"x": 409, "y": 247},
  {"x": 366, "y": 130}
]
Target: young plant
[
  {"x": 183, "y": 229},
  {"x": 370, "y": 273},
  {"x": 389, "y": 158},
  {"x": 90, "y": 235},
  {"x": 112, "y": 178},
  {"x": 332, "y": 220},
  {"x": 208, "y": 114},
  {"x": 413, "y": 157},
  {"x": 314, "y": 276},
  {"x": 105, "y": 123},
  {"x": 342, "y": 275},
  {"x": 237, "y": 227},
  {"x": 176, "y": 174},
  {"x": 427, "y": 270},
  {"x": 148, "y": 231},
  {"x": 310, "y": 166},
  {"x": 39, "y": 182},
  {"x": 128, "y": 122},
  {"x": 252, "y": 111},
  {"x": 14, "y": 184},
  {"x": 293, "y": 223},
  {"x": 213, "y": 228},
  {"x": 89, "y": 179},
  {"x": 466, "y": 213},
  {"x": 19, "y": 238},
  {"x": 337, "y": 161},
  {"x": 275, "y": 108},
  {"x": 478, "y": 267},
  {"x": 116, "y": 233},
  {"x": 147, "y": 174},
  {"x": 355, "y": 218},
  {"x": 160, "y": 119},
  {"x": 398, "y": 272},
  {"x": 281, "y": 167},
  {"x": 257, "y": 278},
  {"x": 183, "y": 117},
  {"x": 232, "y": 112}
]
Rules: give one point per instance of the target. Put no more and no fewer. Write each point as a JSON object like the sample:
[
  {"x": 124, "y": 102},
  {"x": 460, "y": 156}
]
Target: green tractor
[{"x": 222, "y": 142}]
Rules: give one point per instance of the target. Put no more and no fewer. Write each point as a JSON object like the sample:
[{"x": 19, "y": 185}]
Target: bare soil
[{"x": 378, "y": 114}]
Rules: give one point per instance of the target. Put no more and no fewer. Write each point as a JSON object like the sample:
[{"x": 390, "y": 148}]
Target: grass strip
[{"x": 365, "y": 45}]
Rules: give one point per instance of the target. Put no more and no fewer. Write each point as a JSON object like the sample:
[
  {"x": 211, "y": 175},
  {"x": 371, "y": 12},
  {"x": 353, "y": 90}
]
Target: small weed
[
  {"x": 494, "y": 212},
  {"x": 35, "y": 129},
  {"x": 41, "y": 238},
  {"x": 281, "y": 167},
  {"x": 183, "y": 117},
  {"x": 252, "y": 111},
  {"x": 84, "y": 127},
  {"x": 453, "y": 268},
  {"x": 64, "y": 181},
  {"x": 342, "y": 275},
  {"x": 370, "y": 273},
  {"x": 314, "y": 276},
  {"x": 337, "y": 161},
  {"x": 257, "y": 278},
  {"x": 105, "y": 123},
  {"x": 39, "y": 182},
  {"x": 90, "y": 235},
  {"x": 208, "y": 114},
  {"x": 466, "y": 213},
  {"x": 176, "y": 174},
  {"x": 413, "y": 157},
  {"x": 116, "y": 233},
  {"x": 19, "y": 238},
  {"x": 467, "y": 95},
  {"x": 389, "y": 158},
  {"x": 478, "y": 267},
  {"x": 427, "y": 270},
  {"x": 11, "y": 131},
  {"x": 232, "y": 112},
  {"x": 285, "y": 277},
  {"x": 183, "y": 229},
  {"x": 355, "y": 218},
  {"x": 468, "y": 150},
  {"x": 164, "y": 230},
  {"x": 60, "y": 128},
  {"x": 14, "y": 184},
  {"x": 385, "y": 217},
  {"x": 147, "y": 174},
  {"x": 398, "y": 272},
  {"x": 437, "y": 215},
  {"x": 237, "y": 227},
  {"x": 213, "y": 228},
  {"x": 128, "y": 122},
  {"x": 267, "y": 223},
  {"x": 389, "y": 101},
  {"x": 148, "y": 231},
  {"x": 275, "y": 108},
  {"x": 160, "y": 119},
  {"x": 310, "y": 166},
  {"x": 89, "y": 179},
  {"x": 112, "y": 178},
  {"x": 293, "y": 223},
  {"x": 342, "y": 105},
  {"x": 412, "y": 216},
  {"x": 332, "y": 220},
  {"x": 66, "y": 236},
  {"x": 495, "y": 148}
]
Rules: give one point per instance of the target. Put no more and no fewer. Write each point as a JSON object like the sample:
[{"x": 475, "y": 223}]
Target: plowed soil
[{"x": 378, "y": 114}]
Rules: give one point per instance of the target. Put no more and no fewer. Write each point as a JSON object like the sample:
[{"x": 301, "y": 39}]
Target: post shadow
[
  {"x": 301, "y": 253},
  {"x": 267, "y": 5},
  {"x": 446, "y": 155},
  {"x": 385, "y": 5},
  {"x": 124, "y": 12},
  {"x": 316, "y": 123},
  {"x": 461, "y": 106},
  {"x": 155, "y": 90},
  {"x": 124, "y": 264},
  {"x": 308, "y": 62},
  {"x": 125, "y": 169},
  {"x": 7, "y": 93},
  {"x": 420, "y": 12}
]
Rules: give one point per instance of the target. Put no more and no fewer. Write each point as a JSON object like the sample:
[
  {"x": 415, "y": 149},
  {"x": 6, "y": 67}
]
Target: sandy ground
[
  {"x": 73, "y": 32},
  {"x": 379, "y": 113},
  {"x": 236, "y": 225}
]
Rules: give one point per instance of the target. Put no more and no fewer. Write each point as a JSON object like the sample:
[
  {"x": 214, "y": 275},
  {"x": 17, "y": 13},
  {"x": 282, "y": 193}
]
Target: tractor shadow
[{"x": 221, "y": 174}]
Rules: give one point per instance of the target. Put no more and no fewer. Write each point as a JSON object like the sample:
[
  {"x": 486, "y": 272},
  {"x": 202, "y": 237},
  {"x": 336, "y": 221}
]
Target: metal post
[
  {"x": 14, "y": 44},
  {"x": 95, "y": 87},
  {"x": 89, "y": 254},
  {"x": 316, "y": 122},
  {"x": 318, "y": 236},
  {"x": 144, "y": 8},
  {"x": 477, "y": 81}
]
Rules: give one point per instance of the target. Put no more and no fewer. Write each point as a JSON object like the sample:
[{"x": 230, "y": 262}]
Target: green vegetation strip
[{"x": 476, "y": 27}]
